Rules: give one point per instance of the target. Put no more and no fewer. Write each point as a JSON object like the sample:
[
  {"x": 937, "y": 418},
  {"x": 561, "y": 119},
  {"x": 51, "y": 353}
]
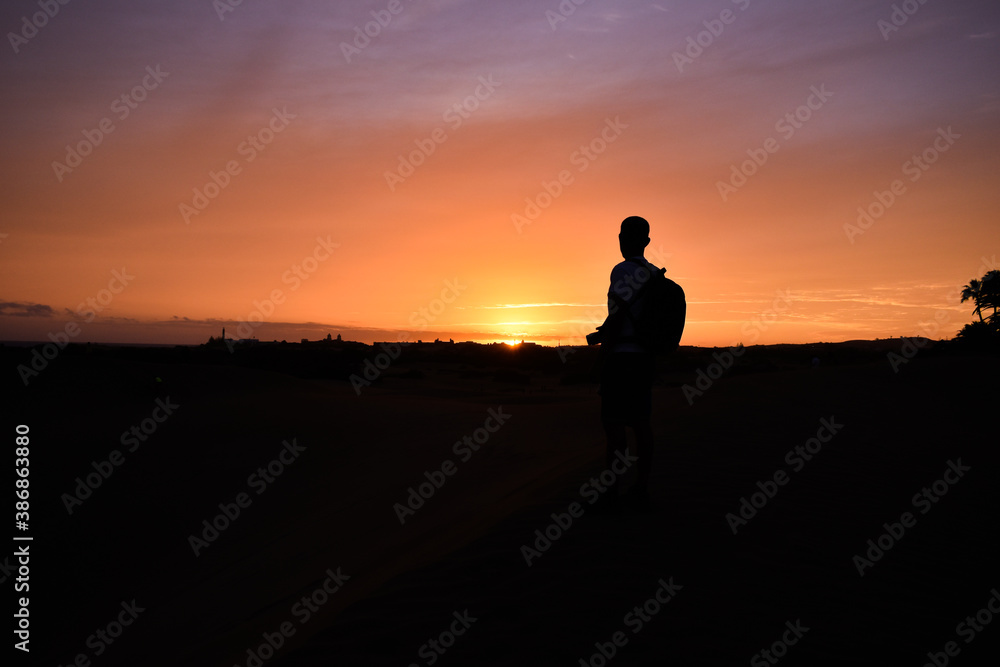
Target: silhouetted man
[{"x": 628, "y": 368}]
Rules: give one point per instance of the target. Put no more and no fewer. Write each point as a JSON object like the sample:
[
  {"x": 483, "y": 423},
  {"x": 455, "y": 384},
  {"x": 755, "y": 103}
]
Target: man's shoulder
[{"x": 631, "y": 265}]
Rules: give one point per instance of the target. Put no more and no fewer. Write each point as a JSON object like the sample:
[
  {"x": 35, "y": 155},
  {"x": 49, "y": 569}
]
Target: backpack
[{"x": 660, "y": 324}]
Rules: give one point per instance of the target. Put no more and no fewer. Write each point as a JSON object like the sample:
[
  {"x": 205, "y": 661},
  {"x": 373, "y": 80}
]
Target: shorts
[{"x": 626, "y": 388}]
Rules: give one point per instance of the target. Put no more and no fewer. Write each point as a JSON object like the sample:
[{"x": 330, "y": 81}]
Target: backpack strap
[
  {"x": 626, "y": 306},
  {"x": 649, "y": 281}
]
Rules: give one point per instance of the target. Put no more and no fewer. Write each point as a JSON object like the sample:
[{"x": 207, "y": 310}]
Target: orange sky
[{"x": 672, "y": 130}]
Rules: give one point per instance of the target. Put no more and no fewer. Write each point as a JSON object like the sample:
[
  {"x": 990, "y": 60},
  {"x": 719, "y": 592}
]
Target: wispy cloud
[
  {"x": 20, "y": 309},
  {"x": 507, "y": 306}
]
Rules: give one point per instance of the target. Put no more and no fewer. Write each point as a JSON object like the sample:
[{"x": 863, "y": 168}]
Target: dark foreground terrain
[{"x": 193, "y": 506}]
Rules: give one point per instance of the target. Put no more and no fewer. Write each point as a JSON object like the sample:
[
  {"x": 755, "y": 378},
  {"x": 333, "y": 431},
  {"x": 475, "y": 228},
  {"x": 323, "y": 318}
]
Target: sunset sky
[{"x": 384, "y": 184}]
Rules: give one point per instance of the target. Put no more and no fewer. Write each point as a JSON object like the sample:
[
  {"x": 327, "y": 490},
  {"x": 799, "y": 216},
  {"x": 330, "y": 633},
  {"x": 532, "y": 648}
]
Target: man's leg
[
  {"x": 644, "y": 445},
  {"x": 612, "y": 416},
  {"x": 617, "y": 442}
]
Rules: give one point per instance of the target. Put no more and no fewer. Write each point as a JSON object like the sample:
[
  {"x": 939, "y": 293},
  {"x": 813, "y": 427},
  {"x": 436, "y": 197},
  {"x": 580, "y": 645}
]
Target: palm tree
[
  {"x": 985, "y": 293},
  {"x": 976, "y": 332},
  {"x": 990, "y": 292},
  {"x": 974, "y": 291}
]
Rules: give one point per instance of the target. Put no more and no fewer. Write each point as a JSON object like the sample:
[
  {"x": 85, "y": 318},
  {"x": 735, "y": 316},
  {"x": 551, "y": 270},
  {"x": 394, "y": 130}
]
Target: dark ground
[{"x": 333, "y": 508}]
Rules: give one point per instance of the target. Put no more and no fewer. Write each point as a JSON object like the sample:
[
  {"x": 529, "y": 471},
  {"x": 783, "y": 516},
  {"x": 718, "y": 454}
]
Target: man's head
[{"x": 634, "y": 236}]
